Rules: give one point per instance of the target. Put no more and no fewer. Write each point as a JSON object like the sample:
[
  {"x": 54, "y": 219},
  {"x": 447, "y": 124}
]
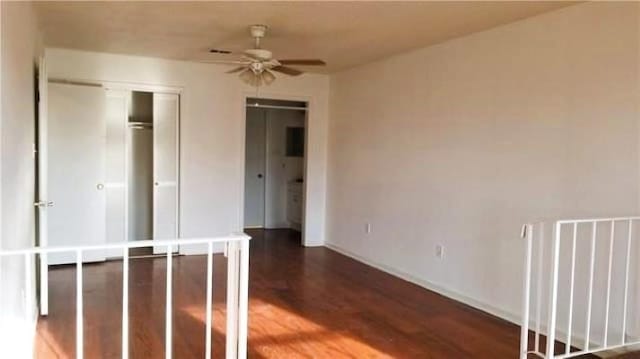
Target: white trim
[
  {"x": 457, "y": 296},
  {"x": 119, "y": 85}
]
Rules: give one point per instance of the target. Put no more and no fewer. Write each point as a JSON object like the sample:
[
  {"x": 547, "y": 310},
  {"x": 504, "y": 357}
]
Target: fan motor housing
[
  {"x": 260, "y": 54},
  {"x": 258, "y": 31}
]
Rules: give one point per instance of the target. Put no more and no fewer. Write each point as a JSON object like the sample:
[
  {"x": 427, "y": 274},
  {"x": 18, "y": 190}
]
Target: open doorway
[{"x": 274, "y": 164}]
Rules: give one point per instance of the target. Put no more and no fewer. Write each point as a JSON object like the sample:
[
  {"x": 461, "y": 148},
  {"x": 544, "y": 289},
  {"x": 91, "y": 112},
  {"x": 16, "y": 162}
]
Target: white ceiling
[{"x": 344, "y": 34}]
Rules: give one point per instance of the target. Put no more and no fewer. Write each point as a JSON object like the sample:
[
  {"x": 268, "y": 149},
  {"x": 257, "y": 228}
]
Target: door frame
[
  {"x": 41, "y": 147},
  {"x": 282, "y": 97}
]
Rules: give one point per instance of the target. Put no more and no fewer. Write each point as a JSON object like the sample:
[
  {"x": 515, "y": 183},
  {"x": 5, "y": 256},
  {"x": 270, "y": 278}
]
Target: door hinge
[{"x": 43, "y": 204}]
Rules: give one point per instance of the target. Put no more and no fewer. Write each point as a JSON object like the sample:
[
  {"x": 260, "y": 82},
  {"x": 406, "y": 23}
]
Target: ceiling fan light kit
[{"x": 256, "y": 65}]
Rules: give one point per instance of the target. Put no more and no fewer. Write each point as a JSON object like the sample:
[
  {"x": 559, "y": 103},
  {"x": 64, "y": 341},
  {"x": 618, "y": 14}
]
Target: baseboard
[{"x": 487, "y": 308}]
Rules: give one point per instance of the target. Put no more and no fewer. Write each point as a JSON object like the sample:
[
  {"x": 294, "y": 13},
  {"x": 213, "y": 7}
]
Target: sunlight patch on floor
[{"x": 286, "y": 334}]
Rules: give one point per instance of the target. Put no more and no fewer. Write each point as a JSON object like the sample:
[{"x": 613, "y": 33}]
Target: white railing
[
  {"x": 580, "y": 287},
  {"x": 237, "y": 252}
]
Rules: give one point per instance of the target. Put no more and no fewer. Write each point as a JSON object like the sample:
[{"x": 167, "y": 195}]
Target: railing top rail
[
  {"x": 582, "y": 220},
  {"x": 120, "y": 245},
  {"x": 590, "y": 220}
]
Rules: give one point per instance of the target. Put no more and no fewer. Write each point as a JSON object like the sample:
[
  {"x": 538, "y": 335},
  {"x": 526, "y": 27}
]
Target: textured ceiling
[{"x": 344, "y": 34}]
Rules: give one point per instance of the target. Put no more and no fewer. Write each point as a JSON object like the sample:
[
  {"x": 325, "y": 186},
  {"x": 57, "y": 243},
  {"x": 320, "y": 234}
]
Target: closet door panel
[
  {"x": 166, "y": 108},
  {"x": 115, "y": 186},
  {"x": 76, "y": 169}
]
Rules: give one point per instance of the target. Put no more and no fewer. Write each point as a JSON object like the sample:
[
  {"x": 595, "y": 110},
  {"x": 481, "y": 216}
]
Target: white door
[
  {"x": 75, "y": 169},
  {"x": 117, "y": 112},
  {"x": 254, "y": 176},
  {"x": 166, "y": 112}
]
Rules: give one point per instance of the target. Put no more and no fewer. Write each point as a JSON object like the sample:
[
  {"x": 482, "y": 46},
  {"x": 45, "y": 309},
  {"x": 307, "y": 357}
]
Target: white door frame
[
  {"x": 282, "y": 97},
  {"x": 43, "y": 241}
]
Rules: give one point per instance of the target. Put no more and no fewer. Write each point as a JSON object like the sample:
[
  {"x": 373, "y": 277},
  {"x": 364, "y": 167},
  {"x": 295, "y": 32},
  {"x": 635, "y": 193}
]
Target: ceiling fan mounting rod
[{"x": 258, "y": 32}]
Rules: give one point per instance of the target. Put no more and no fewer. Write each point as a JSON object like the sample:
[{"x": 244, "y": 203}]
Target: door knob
[{"x": 100, "y": 186}]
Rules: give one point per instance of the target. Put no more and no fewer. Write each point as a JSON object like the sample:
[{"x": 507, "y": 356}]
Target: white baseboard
[{"x": 487, "y": 308}]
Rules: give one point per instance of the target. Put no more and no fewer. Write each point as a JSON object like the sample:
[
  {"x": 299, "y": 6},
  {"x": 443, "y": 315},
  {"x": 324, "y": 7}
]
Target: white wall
[
  {"x": 20, "y": 47},
  {"x": 212, "y": 132},
  {"x": 461, "y": 143}
]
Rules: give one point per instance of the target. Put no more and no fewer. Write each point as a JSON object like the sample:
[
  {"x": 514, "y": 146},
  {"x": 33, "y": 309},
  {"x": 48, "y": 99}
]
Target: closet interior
[{"x": 140, "y": 169}]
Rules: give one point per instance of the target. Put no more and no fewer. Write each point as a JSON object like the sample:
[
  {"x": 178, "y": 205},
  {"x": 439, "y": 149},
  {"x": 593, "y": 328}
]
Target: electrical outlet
[
  {"x": 367, "y": 228},
  {"x": 439, "y": 251}
]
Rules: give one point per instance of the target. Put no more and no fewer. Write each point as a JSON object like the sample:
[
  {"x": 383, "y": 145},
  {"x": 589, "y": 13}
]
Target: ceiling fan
[{"x": 256, "y": 65}]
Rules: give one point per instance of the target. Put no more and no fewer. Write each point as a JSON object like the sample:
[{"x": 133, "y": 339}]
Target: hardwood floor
[{"x": 304, "y": 303}]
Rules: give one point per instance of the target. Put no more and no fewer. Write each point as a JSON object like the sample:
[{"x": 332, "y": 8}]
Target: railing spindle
[
  {"x": 79, "y": 309},
  {"x": 244, "y": 299},
  {"x": 571, "y": 290},
  {"x": 125, "y": 303},
  {"x": 524, "y": 335},
  {"x": 168, "y": 307},
  {"x": 626, "y": 284},
  {"x": 592, "y": 265},
  {"x": 608, "y": 300},
  {"x": 554, "y": 292},
  {"x": 209, "y": 303},
  {"x": 539, "y": 286},
  {"x": 232, "y": 301}
]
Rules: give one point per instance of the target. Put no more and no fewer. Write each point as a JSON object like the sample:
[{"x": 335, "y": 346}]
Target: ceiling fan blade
[
  {"x": 237, "y": 69},
  {"x": 221, "y": 51},
  {"x": 287, "y": 70},
  {"x": 305, "y": 62}
]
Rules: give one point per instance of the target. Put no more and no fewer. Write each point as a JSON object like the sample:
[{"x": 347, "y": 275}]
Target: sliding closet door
[
  {"x": 115, "y": 186},
  {"x": 166, "y": 109},
  {"x": 75, "y": 169}
]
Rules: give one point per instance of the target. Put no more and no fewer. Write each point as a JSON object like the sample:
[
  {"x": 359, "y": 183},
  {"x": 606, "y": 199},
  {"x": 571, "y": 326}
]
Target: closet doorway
[
  {"x": 110, "y": 166},
  {"x": 274, "y": 164}
]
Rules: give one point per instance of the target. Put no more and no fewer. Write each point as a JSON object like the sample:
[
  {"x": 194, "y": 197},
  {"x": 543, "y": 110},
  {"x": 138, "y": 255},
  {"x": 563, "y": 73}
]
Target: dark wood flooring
[{"x": 304, "y": 303}]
